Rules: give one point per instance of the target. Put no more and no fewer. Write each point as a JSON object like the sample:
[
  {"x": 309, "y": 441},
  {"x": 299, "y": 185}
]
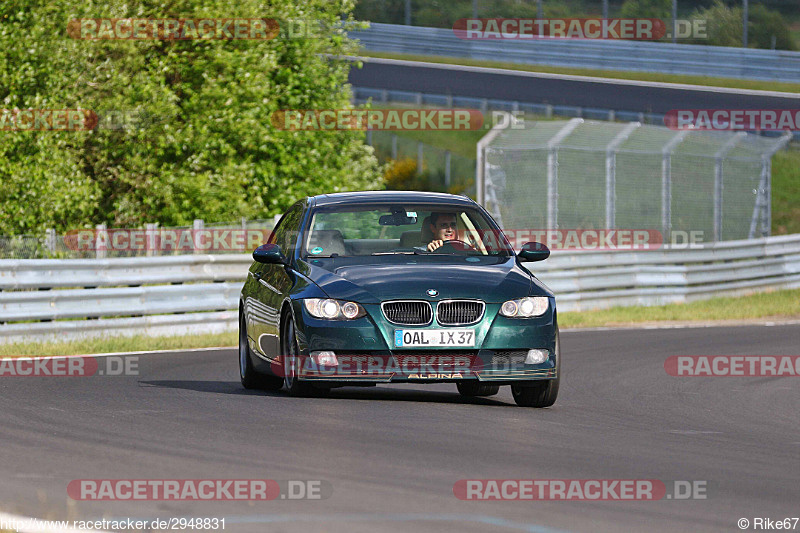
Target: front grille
[
  {"x": 408, "y": 312},
  {"x": 459, "y": 312},
  {"x": 509, "y": 357}
]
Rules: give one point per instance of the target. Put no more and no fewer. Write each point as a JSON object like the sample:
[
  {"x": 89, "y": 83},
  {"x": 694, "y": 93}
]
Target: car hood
[{"x": 493, "y": 282}]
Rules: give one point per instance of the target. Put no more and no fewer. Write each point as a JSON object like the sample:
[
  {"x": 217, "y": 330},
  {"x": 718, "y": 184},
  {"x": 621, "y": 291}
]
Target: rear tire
[
  {"x": 247, "y": 373},
  {"x": 472, "y": 389}
]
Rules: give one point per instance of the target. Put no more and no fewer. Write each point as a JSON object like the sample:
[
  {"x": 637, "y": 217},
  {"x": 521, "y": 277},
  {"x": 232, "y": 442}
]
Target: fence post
[
  {"x": 552, "y": 171},
  {"x": 50, "y": 240},
  {"x": 548, "y": 111},
  {"x": 480, "y": 160},
  {"x": 150, "y": 236},
  {"x": 447, "y": 169},
  {"x": 764, "y": 198},
  {"x": 197, "y": 227},
  {"x": 394, "y": 146},
  {"x": 666, "y": 183},
  {"x": 369, "y": 137},
  {"x": 611, "y": 173},
  {"x": 101, "y": 241},
  {"x": 419, "y": 159},
  {"x": 766, "y": 212},
  {"x": 718, "y": 181}
]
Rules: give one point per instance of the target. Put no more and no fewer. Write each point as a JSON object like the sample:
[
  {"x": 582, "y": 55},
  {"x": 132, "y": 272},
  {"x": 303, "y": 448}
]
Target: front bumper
[{"x": 367, "y": 354}]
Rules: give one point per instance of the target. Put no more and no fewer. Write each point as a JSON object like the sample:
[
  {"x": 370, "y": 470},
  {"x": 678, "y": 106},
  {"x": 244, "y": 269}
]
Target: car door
[{"x": 274, "y": 284}]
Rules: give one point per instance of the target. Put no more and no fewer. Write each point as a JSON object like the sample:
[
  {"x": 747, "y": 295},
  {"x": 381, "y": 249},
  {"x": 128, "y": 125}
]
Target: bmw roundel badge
[{"x": 432, "y": 292}]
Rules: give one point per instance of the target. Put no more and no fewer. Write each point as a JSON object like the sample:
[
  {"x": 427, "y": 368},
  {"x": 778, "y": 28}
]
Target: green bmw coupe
[{"x": 361, "y": 288}]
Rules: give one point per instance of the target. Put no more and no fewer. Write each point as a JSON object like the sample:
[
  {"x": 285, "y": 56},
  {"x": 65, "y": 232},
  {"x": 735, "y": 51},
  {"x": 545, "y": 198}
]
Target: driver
[{"x": 443, "y": 227}]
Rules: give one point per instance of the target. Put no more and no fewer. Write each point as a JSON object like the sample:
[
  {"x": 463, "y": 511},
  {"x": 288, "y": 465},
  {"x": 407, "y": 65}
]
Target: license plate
[{"x": 433, "y": 337}]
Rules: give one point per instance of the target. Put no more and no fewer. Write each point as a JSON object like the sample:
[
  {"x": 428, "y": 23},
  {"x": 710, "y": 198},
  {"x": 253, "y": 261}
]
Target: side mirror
[
  {"x": 269, "y": 254},
  {"x": 534, "y": 251}
]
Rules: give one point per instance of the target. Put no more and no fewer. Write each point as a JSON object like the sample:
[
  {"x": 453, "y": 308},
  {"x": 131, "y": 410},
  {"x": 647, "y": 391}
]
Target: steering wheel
[{"x": 455, "y": 245}]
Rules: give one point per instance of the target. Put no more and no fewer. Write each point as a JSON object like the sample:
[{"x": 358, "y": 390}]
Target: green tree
[
  {"x": 660, "y": 9},
  {"x": 764, "y": 24},
  {"x": 725, "y": 27},
  {"x": 202, "y": 144}
]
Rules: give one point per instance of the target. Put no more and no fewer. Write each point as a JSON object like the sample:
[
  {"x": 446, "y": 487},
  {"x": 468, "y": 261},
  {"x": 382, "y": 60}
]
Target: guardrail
[
  {"x": 65, "y": 299},
  {"x": 48, "y": 299},
  {"x": 748, "y": 63},
  {"x": 585, "y": 280}
]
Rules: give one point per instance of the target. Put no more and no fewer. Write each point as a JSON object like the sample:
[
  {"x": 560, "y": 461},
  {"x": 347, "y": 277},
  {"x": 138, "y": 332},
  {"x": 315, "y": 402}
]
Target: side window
[{"x": 286, "y": 232}]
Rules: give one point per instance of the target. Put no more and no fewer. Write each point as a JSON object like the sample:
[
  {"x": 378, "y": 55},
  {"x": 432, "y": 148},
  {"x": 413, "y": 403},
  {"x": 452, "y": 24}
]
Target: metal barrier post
[
  {"x": 197, "y": 227},
  {"x": 50, "y": 240},
  {"x": 101, "y": 241},
  {"x": 552, "y": 171},
  {"x": 419, "y": 159},
  {"x": 611, "y": 173},
  {"x": 150, "y": 232},
  {"x": 666, "y": 182},
  {"x": 718, "y": 181},
  {"x": 447, "y": 168}
]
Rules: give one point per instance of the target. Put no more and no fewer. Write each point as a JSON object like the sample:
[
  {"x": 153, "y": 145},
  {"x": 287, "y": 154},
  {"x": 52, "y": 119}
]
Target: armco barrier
[
  {"x": 66, "y": 299},
  {"x": 748, "y": 63}
]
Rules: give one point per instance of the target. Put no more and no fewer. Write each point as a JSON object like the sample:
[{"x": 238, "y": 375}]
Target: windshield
[{"x": 401, "y": 229}]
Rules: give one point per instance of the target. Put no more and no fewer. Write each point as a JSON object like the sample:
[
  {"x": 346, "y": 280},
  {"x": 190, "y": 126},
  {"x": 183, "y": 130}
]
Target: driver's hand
[{"x": 434, "y": 245}]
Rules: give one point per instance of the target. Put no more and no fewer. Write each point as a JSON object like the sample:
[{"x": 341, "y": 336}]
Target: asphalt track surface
[
  {"x": 392, "y": 454},
  {"x": 558, "y": 90}
]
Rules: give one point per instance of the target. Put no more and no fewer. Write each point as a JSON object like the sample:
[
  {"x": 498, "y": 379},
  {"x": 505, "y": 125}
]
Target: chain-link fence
[
  {"x": 151, "y": 240},
  {"x": 581, "y": 174}
]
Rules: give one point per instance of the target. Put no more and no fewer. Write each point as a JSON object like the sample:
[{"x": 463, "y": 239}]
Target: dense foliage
[
  {"x": 194, "y": 138},
  {"x": 767, "y": 18}
]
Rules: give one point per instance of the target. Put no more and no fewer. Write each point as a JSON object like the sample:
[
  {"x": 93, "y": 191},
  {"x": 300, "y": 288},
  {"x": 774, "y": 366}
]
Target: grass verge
[
  {"x": 708, "y": 81},
  {"x": 765, "y": 305},
  {"x": 786, "y": 191},
  {"x": 119, "y": 344}
]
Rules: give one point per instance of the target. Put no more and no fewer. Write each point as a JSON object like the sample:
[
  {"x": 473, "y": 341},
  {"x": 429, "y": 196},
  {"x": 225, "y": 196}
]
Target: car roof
[{"x": 368, "y": 197}]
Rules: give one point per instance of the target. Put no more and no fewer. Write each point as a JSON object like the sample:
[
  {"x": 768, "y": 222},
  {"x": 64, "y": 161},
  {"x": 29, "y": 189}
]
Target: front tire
[
  {"x": 291, "y": 364},
  {"x": 247, "y": 373},
  {"x": 472, "y": 389},
  {"x": 540, "y": 392}
]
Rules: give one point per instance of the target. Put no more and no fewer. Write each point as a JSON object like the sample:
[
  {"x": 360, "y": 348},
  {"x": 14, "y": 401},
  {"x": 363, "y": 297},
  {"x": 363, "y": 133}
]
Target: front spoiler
[{"x": 487, "y": 375}]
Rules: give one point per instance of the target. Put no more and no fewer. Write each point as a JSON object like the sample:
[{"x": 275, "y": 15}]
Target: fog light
[
  {"x": 324, "y": 358},
  {"x": 536, "y": 357}
]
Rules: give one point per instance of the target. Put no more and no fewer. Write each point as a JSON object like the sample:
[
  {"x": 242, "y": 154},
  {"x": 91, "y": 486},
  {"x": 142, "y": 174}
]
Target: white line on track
[
  {"x": 110, "y": 354},
  {"x": 690, "y": 325}
]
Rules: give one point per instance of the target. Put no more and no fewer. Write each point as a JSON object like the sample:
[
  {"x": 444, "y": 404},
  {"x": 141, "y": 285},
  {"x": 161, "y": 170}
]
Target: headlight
[
  {"x": 333, "y": 309},
  {"x": 525, "y": 307}
]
